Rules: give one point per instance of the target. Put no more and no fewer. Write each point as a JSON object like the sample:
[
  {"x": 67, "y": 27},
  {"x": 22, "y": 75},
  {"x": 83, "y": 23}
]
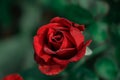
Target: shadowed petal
[
  {"x": 77, "y": 36},
  {"x": 69, "y": 37},
  {"x": 62, "y": 21},
  {"x": 61, "y": 62},
  {"x": 48, "y": 51},
  {"x": 80, "y": 27},
  {"x": 38, "y": 46},
  {"x": 81, "y": 53},
  {"x": 52, "y": 69},
  {"x": 66, "y": 53},
  {"x": 39, "y": 60},
  {"x": 66, "y": 43}
]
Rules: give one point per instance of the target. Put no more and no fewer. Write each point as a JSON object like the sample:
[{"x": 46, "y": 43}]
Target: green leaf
[
  {"x": 77, "y": 14},
  {"x": 33, "y": 73},
  {"x": 84, "y": 74},
  {"x": 99, "y": 49},
  {"x": 58, "y": 5},
  {"x": 99, "y": 31},
  {"x": 78, "y": 64},
  {"x": 85, "y": 3},
  {"x": 115, "y": 34},
  {"x": 97, "y": 7},
  {"x": 100, "y": 8},
  {"x": 106, "y": 68}
]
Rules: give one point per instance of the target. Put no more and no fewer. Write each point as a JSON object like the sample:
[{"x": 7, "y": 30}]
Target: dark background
[{"x": 20, "y": 19}]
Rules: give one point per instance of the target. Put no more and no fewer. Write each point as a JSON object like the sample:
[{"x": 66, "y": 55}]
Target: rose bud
[
  {"x": 12, "y": 77},
  {"x": 57, "y": 44}
]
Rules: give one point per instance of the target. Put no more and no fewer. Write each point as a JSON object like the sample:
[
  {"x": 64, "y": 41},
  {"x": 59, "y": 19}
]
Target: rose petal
[
  {"x": 88, "y": 42},
  {"x": 45, "y": 57},
  {"x": 39, "y": 41},
  {"x": 13, "y": 77},
  {"x": 39, "y": 60},
  {"x": 66, "y": 53},
  {"x": 52, "y": 69},
  {"x": 48, "y": 51},
  {"x": 38, "y": 46},
  {"x": 80, "y": 27},
  {"x": 69, "y": 37},
  {"x": 61, "y": 62},
  {"x": 81, "y": 53},
  {"x": 60, "y": 28},
  {"x": 44, "y": 29},
  {"x": 54, "y": 50},
  {"x": 61, "y": 21},
  {"x": 66, "y": 43},
  {"x": 52, "y": 44},
  {"x": 40, "y": 38},
  {"x": 50, "y": 31},
  {"x": 77, "y": 36}
]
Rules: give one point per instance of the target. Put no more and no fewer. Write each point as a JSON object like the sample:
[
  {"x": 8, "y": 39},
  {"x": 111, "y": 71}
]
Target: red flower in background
[
  {"x": 58, "y": 43},
  {"x": 13, "y": 77}
]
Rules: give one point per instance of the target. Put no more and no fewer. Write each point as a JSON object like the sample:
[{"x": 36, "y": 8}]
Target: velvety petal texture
[
  {"x": 64, "y": 22},
  {"x": 13, "y": 77},
  {"x": 57, "y": 44},
  {"x": 81, "y": 52},
  {"x": 52, "y": 69}
]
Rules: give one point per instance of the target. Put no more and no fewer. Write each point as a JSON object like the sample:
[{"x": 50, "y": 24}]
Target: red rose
[
  {"x": 58, "y": 43},
  {"x": 13, "y": 77}
]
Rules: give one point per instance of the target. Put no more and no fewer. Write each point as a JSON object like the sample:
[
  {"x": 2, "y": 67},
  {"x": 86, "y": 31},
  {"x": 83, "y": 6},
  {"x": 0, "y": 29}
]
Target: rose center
[{"x": 57, "y": 37}]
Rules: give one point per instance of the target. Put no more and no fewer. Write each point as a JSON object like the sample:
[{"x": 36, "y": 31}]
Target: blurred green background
[{"x": 19, "y": 20}]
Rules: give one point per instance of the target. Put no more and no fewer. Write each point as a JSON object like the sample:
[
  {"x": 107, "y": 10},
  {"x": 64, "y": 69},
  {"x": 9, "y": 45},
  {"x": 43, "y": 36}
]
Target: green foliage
[
  {"x": 20, "y": 19},
  {"x": 5, "y": 16},
  {"x": 78, "y": 14},
  {"x": 84, "y": 74},
  {"x": 106, "y": 68},
  {"x": 98, "y": 31}
]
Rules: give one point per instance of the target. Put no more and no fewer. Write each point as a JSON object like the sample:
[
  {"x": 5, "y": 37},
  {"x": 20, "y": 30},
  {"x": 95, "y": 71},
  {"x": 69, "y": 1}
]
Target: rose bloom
[
  {"x": 57, "y": 44},
  {"x": 12, "y": 77}
]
